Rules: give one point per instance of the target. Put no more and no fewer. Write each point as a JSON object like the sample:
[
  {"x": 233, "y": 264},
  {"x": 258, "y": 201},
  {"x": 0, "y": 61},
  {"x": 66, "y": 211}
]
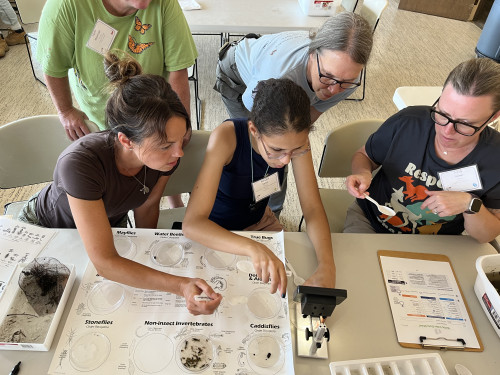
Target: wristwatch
[{"x": 474, "y": 205}]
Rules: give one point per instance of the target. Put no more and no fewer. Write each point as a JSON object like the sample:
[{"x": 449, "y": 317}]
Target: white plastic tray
[
  {"x": 418, "y": 364},
  {"x": 11, "y": 291}
]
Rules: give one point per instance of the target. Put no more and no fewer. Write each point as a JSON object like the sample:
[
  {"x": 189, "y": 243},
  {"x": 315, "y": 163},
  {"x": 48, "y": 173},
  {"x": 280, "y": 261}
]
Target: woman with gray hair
[{"x": 326, "y": 65}]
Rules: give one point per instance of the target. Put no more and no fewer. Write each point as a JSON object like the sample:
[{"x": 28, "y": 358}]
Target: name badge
[
  {"x": 461, "y": 179},
  {"x": 102, "y": 37},
  {"x": 266, "y": 186}
]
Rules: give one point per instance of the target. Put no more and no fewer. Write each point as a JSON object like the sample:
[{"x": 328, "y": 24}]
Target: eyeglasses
[
  {"x": 280, "y": 154},
  {"x": 329, "y": 81},
  {"x": 459, "y": 126}
]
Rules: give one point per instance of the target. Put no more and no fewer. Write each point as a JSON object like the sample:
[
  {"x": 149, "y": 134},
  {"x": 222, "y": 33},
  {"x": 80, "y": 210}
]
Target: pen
[{"x": 15, "y": 370}]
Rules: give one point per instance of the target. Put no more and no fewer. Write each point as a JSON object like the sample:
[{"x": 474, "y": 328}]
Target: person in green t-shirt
[{"x": 71, "y": 32}]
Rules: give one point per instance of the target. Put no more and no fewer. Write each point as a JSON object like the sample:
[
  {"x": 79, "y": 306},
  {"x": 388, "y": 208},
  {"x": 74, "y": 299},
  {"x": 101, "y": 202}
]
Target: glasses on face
[
  {"x": 329, "y": 81},
  {"x": 459, "y": 126},
  {"x": 280, "y": 154}
]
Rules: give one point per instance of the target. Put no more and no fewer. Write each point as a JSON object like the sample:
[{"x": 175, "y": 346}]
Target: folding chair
[
  {"x": 371, "y": 10},
  {"x": 184, "y": 178},
  {"x": 349, "y": 5},
  {"x": 29, "y": 149},
  {"x": 340, "y": 145},
  {"x": 193, "y": 77}
]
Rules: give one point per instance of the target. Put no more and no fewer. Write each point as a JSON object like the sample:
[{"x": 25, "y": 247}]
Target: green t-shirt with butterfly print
[{"x": 158, "y": 37}]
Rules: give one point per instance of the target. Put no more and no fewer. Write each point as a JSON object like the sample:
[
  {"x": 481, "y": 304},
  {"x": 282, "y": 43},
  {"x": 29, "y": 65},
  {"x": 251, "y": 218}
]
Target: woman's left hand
[{"x": 446, "y": 203}]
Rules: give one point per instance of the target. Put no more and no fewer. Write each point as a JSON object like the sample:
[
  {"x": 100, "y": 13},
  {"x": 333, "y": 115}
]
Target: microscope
[{"x": 316, "y": 304}]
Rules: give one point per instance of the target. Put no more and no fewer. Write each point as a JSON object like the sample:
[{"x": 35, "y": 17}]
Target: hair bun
[{"x": 120, "y": 66}]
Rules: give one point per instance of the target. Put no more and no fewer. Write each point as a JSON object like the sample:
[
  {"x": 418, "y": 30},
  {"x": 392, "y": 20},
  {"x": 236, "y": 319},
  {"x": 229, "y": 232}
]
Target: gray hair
[
  {"x": 477, "y": 77},
  {"x": 345, "y": 32}
]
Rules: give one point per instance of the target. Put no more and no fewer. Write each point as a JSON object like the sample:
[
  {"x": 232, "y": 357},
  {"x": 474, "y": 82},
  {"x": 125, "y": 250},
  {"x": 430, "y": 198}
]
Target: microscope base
[{"x": 303, "y": 345}]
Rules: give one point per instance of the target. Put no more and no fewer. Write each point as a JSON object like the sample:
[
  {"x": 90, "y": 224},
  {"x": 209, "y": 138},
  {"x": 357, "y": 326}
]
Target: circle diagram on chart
[
  {"x": 262, "y": 304},
  {"x": 265, "y": 354},
  {"x": 153, "y": 353},
  {"x": 125, "y": 247},
  {"x": 167, "y": 253},
  {"x": 89, "y": 351},
  {"x": 195, "y": 353},
  {"x": 219, "y": 259},
  {"x": 105, "y": 297}
]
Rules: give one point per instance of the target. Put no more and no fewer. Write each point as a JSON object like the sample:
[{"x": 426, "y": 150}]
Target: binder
[{"x": 442, "y": 342}]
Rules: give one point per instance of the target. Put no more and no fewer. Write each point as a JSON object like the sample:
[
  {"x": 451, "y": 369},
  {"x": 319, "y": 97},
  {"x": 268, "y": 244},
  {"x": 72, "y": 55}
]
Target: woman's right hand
[
  {"x": 357, "y": 184},
  {"x": 191, "y": 287},
  {"x": 269, "y": 267},
  {"x": 73, "y": 121}
]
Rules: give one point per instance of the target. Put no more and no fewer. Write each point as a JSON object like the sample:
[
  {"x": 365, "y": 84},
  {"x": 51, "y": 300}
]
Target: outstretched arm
[
  {"x": 199, "y": 227},
  {"x": 93, "y": 225},
  {"x": 318, "y": 229}
]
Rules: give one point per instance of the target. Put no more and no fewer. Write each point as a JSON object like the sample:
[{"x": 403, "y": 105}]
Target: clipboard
[{"x": 436, "y": 341}]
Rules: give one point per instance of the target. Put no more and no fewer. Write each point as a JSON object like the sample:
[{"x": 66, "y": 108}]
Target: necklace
[
  {"x": 440, "y": 148},
  {"x": 144, "y": 189}
]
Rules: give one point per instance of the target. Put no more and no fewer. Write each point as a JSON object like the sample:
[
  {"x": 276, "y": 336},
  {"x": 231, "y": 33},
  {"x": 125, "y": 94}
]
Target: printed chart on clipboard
[{"x": 427, "y": 304}]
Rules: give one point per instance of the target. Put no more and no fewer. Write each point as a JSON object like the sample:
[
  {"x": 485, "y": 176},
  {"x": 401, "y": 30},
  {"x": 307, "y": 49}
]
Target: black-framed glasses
[
  {"x": 329, "y": 81},
  {"x": 460, "y": 127},
  {"x": 280, "y": 155}
]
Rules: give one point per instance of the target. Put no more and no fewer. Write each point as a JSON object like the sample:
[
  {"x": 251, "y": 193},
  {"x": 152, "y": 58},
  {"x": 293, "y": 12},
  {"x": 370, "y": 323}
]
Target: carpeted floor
[{"x": 410, "y": 49}]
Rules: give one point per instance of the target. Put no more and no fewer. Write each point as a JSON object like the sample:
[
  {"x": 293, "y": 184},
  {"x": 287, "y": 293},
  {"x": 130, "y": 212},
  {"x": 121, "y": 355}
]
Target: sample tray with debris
[
  {"x": 21, "y": 326},
  {"x": 419, "y": 364}
]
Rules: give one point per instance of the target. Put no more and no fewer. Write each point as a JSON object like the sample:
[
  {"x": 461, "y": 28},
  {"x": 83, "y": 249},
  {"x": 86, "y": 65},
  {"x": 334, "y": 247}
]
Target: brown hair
[
  {"x": 477, "y": 77},
  {"x": 141, "y": 104}
]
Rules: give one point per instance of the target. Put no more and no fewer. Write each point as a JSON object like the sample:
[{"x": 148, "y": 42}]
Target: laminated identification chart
[
  {"x": 19, "y": 243},
  {"x": 116, "y": 329},
  {"x": 427, "y": 305}
]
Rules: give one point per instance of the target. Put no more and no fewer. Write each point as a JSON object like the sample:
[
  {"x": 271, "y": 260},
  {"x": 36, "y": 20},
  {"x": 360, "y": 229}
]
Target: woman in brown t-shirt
[{"x": 101, "y": 176}]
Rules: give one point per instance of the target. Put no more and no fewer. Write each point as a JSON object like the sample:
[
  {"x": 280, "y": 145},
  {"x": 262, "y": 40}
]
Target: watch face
[{"x": 475, "y": 204}]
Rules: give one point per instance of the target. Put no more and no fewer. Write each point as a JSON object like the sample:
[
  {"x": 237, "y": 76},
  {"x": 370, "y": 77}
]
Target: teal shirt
[{"x": 158, "y": 37}]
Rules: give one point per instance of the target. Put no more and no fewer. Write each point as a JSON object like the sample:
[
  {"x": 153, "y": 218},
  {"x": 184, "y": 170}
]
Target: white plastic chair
[
  {"x": 193, "y": 77},
  {"x": 349, "y": 5},
  {"x": 371, "y": 10},
  {"x": 340, "y": 145},
  {"x": 184, "y": 178},
  {"x": 29, "y": 149}
]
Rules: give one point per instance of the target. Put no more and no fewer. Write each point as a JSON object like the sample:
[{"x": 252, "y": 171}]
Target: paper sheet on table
[
  {"x": 426, "y": 301},
  {"x": 112, "y": 328},
  {"x": 189, "y": 5},
  {"x": 19, "y": 243}
]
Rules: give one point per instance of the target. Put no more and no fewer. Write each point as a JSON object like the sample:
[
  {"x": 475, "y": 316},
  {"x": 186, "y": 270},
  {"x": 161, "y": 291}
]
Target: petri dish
[
  {"x": 265, "y": 354},
  {"x": 153, "y": 353},
  {"x": 125, "y": 247},
  {"x": 262, "y": 304},
  {"x": 245, "y": 266},
  {"x": 105, "y": 297},
  {"x": 89, "y": 351},
  {"x": 195, "y": 353},
  {"x": 167, "y": 253},
  {"x": 219, "y": 259}
]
